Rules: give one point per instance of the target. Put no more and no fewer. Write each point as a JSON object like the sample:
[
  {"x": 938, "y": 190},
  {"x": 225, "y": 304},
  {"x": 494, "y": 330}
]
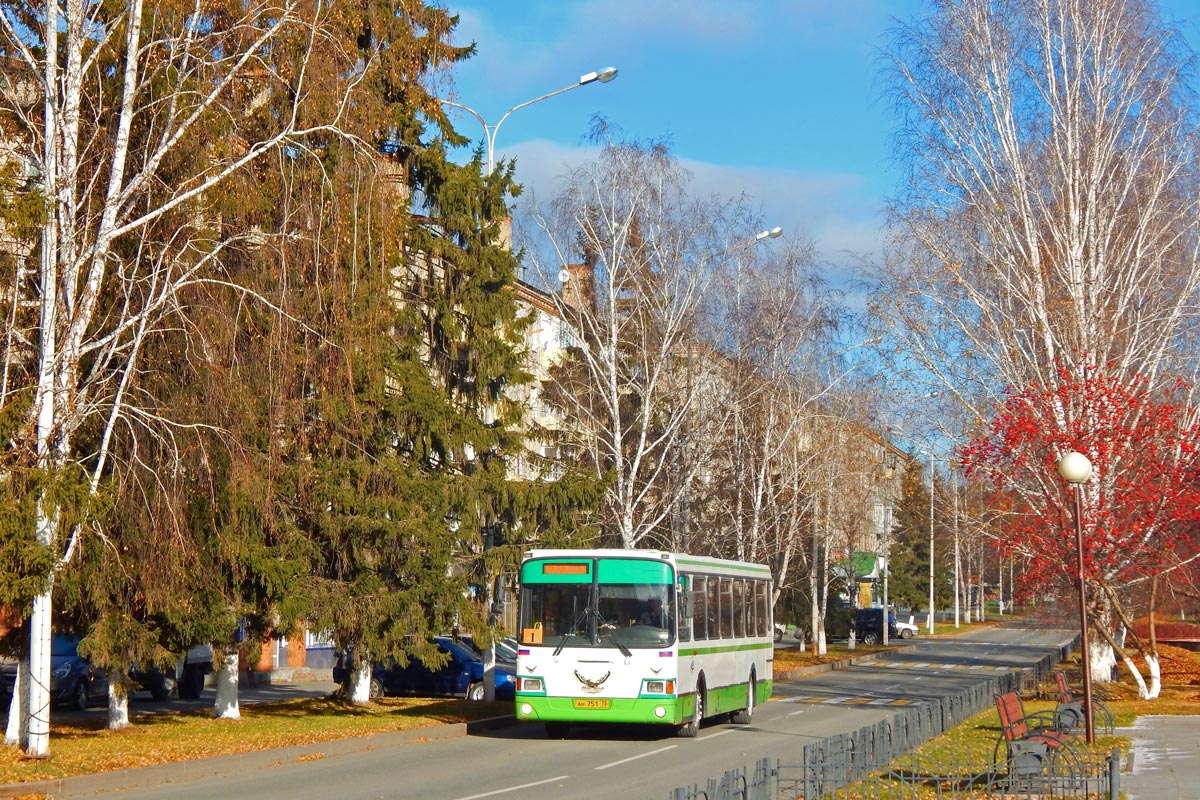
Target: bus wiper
[
  {"x": 563, "y": 643},
  {"x": 624, "y": 650}
]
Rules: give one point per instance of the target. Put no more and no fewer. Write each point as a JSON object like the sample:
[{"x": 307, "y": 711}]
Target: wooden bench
[
  {"x": 1068, "y": 714},
  {"x": 1029, "y": 744}
]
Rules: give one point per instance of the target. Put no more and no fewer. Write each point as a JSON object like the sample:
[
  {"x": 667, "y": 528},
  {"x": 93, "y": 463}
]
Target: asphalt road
[{"x": 604, "y": 762}]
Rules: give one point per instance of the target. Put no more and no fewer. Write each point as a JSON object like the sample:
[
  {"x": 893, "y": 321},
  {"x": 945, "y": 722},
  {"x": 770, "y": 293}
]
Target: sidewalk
[{"x": 1166, "y": 759}]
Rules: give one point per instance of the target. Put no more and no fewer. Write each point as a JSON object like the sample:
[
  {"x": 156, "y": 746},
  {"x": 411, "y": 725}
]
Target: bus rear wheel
[{"x": 689, "y": 730}]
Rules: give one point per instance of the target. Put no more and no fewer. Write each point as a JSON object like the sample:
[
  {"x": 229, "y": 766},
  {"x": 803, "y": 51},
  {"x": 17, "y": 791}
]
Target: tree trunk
[
  {"x": 118, "y": 707},
  {"x": 226, "y": 704},
  {"x": 37, "y": 711},
  {"x": 16, "y": 731},
  {"x": 360, "y": 683}
]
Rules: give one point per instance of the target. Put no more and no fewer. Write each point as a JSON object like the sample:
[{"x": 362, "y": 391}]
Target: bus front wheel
[{"x": 689, "y": 730}]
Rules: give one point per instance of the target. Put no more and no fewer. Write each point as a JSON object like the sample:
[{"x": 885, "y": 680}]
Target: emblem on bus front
[{"x": 592, "y": 686}]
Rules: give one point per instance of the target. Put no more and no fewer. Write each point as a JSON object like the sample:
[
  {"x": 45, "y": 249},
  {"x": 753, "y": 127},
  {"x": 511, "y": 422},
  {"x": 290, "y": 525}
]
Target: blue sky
[{"x": 780, "y": 100}]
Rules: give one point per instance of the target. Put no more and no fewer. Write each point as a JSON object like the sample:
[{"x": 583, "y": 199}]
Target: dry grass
[{"x": 87, "y": 747}]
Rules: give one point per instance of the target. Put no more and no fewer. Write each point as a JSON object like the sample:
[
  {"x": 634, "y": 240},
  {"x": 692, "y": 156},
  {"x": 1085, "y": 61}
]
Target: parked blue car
[
  {"x": 461, "y": 676},
  {"x": 74, "y": 680}
]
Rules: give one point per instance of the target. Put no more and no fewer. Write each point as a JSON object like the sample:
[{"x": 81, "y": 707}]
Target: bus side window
[
  {"x": 726, "y": 608},
  {"x": 761, "y": 601},
  {"x": 714, "y": 609},
  {"x": 739, "y": 608},
  {"x": 699, "y": 608}
]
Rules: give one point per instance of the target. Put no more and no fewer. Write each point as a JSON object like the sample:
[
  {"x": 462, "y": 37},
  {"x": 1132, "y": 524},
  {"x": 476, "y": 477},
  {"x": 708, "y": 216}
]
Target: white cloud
[{"x": 833, "y": 210}]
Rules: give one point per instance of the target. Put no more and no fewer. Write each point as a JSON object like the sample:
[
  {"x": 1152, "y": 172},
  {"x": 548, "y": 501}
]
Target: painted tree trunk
[
  {"x": 37, "y": 712},
  {"x": 360, "y": 683},
  {"x": 1155, "y": 669},
  {"x": 118, "y": 707},
  {"x": 16, "y": 732},
  {"x": 226, "y": 704}
]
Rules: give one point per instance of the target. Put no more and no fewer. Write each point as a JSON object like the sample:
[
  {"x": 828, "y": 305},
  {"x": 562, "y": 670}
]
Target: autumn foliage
[{"x": 1140, "y": 507}]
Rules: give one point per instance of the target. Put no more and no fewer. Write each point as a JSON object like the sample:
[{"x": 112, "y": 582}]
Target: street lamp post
[
  {"x": 1076, "y": 469},
  {"x": 958, "y": 584},
  {"x": 931, "y": 574},
  {"x": 489, "y": 131},
  {"x": 887, "y": 533}
]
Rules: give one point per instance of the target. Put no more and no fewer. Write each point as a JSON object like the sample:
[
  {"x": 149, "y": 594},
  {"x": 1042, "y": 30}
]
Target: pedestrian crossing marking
[
  {"x": 896, "y": 664},
  {"x": 851, "y": 700}
]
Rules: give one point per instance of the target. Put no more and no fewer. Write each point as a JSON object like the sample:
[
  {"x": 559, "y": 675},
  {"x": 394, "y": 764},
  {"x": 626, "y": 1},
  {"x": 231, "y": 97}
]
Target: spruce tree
[{"x": 908, "y": 561}]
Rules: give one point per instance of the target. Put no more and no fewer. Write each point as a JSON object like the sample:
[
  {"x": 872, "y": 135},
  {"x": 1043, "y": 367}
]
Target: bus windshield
[{"x": 620, "y": 615}]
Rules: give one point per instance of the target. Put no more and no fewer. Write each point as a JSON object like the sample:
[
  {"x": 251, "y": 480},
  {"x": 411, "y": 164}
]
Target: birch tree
[
  {"x": 1048, "y": 223},
  {"x": 774, "y": 322},
  {"x": 636, "y": 255},
  {"x": 105, "y": 103}
]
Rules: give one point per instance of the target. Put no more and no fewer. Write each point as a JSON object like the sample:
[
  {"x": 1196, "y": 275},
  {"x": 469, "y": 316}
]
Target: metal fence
[
  {"x": 913, "y": 779},
  {"x": 875, "y": 762}
]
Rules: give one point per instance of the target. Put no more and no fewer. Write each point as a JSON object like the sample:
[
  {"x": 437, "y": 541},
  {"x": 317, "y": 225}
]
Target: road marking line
[
  {"x": 515, "y": 788},
  {"x": 718, "y": 733},
  {"x": 631, "y": 758}
]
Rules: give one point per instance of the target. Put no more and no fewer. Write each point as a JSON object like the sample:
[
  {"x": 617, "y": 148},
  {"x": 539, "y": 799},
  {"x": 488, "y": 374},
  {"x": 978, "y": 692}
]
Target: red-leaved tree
[{"x": 1140, "y": 507}]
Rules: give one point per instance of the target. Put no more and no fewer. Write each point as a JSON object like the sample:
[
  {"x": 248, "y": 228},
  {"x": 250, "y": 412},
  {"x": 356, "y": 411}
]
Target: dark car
[
  {"x": 506, "y": 649},
  {"x": 8, "y": 677},
  {"x": 460, "y": 676},
  {"x": 74, "y": 680},
  {"x": 161, "y": 685},
  {"x": 868, "y": 626}
]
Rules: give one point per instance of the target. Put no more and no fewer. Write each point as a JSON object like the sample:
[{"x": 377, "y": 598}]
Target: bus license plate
[{"x": 590, "y": 702}]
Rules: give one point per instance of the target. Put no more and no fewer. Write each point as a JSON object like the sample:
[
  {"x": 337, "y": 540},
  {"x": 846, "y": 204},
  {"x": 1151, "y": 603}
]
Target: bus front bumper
[{"x": 640, "y": 710}]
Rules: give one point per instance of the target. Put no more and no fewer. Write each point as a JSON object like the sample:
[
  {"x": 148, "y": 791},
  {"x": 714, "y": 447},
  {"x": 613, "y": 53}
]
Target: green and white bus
[{"x": 641, "y": 636}]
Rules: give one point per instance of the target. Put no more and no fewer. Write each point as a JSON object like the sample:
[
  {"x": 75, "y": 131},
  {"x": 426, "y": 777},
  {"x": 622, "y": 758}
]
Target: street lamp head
[
  {"x": 773, "y": 233},
  {"x": 1074, "y": 468},
  {"x": 604, "y": 76}
]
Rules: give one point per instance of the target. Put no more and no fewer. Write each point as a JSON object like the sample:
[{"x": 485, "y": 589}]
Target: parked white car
[{"x": 906, "y": 630}]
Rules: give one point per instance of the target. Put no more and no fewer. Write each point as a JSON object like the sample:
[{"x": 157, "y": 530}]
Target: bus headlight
[
  {"x": 658, "y": 687},
  {"x": 526, "y": 709},
  {"x": 529, "y": 684}
]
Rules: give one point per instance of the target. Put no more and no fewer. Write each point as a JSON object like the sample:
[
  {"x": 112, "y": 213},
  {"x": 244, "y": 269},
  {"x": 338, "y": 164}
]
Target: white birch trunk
[{"x": 225, "y": 706}]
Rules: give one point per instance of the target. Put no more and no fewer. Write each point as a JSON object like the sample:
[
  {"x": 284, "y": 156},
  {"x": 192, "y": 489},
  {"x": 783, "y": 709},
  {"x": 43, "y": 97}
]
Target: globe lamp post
[{"x": 1076, "y": 469}]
